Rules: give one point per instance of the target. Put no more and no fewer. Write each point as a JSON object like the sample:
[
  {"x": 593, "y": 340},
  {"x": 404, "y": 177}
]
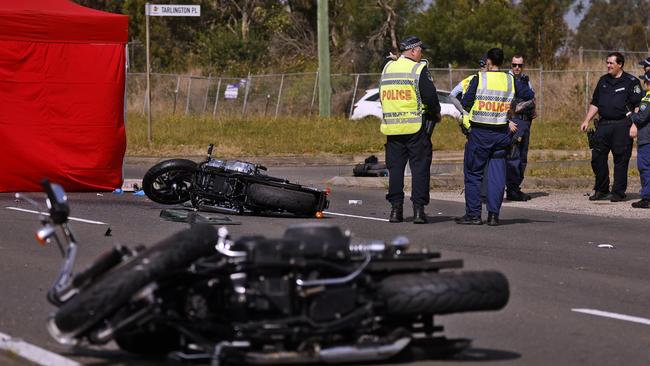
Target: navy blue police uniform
[
  {"x": 415, "y": 149},
  {"x": 615, "y": 98},
  {"x": 486, "y": 145},
  {"x": 518, "y": 157}
]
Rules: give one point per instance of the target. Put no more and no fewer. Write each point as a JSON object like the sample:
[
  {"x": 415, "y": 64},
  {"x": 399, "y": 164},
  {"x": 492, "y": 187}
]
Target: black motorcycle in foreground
[
  {"x": 229, "y": 186},
  {"x": 310, "y": 296}
]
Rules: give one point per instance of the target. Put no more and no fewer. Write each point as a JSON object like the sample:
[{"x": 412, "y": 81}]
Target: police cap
[
  {"x": 645, "y": 77},
  {"x": 645, "y": 62},
  {"x": 411, "y": 42}
]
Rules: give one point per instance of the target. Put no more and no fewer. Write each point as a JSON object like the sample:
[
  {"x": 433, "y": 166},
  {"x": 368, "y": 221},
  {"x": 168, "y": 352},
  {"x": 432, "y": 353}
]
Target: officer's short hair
[
  {"x": 496, "y": 56},
  {"x": 620, "y": 59},
  {"x": 518, "y": 55}
]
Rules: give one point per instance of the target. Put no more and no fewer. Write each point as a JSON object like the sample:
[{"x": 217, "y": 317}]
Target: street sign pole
[{"x": 148, "y": 100}]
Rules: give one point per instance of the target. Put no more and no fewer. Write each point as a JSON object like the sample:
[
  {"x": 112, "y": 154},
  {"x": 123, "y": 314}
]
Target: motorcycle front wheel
[
  {"x": 276, "y": 198},
  {"x": 103, "y": 298},
  {"x": 444, "y": 292},
  {"x": 169, "y": 182}
]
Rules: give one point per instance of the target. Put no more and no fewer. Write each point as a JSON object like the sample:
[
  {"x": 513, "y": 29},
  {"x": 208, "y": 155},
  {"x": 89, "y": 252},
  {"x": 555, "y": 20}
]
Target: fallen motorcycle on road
[
  {"x": 230, "y": 186},
  {"x": 311, "y": 296}
]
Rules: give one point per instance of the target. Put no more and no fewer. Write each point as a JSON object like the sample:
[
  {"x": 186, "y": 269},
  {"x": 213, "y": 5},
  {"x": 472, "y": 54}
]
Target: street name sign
[{"x": 157, "y": 10}]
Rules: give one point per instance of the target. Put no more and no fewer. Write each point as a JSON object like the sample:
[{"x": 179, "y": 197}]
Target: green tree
[
  {"x": 545, "y": 29},
  {"x": 460, "y": 32},
  {"x": 615, "y": 24}
]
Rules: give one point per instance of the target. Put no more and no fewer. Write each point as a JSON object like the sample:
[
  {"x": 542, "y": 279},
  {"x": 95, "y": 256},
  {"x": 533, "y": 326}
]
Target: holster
[{"x": 591, "y": 138}]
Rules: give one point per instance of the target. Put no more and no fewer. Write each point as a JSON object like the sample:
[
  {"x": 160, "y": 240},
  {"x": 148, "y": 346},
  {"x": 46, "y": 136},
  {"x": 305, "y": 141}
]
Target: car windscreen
[{"x": 373, "y": 97}]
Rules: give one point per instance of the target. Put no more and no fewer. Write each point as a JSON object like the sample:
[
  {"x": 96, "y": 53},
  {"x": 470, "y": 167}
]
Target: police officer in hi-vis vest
[
  {"x": 410, "y": 109},
  {"x": 488, "y": 100}
]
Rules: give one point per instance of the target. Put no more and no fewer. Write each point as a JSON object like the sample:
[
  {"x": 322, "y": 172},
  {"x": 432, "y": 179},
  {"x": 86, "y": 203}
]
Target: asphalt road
[{"x": 552, "y": 261}]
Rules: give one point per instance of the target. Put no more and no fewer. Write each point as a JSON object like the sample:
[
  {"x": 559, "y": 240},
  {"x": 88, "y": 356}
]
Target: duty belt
[{"x": 603, "y": 122}]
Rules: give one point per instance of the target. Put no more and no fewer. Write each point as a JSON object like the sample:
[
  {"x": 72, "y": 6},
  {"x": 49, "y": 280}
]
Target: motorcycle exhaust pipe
[{"x": 332, "y": 355}]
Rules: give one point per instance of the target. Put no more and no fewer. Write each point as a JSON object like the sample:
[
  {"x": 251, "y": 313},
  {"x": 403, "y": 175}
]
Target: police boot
[
  {"x": 419, "y": 217},
  {"x": 397, "y": 212},
  {"x": 644, "y": 203},
  {"x": 493, "y": 219}
]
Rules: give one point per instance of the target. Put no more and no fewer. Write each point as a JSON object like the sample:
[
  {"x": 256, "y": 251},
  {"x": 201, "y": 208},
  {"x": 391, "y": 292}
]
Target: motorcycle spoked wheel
[
  {"x": 444, "y": 292},
  {"x": 103, "y": 298},
  {"x": 276, "y": 198},
  {"x": 169, "y": 182}
]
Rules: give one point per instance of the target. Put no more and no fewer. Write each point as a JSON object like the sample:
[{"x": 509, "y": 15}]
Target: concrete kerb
[{"x": 453, "y": 182}]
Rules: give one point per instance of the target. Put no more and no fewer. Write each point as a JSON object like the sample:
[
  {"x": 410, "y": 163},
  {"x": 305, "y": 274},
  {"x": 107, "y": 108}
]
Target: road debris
[{"x": 194, "y": 217}]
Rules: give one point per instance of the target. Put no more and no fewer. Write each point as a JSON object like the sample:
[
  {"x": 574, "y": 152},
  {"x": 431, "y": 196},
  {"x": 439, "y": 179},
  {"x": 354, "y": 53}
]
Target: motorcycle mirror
[
  {"x": 400, "y": 243},
  {"x": 57, "y": 202},
  {"x": 210, "y": 147}
]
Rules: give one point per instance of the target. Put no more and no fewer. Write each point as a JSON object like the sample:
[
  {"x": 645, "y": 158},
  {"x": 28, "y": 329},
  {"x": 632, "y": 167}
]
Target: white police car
[{"x": 369, "y": 105}]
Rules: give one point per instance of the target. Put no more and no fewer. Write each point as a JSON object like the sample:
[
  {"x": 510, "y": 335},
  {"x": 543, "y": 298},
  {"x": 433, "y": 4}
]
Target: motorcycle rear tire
[
  {"x": 444, "y": 292},
  {"x": 276, "y": 198},
  {"x": 157, "y": 182},
  {"x": 112, "y": 291}
]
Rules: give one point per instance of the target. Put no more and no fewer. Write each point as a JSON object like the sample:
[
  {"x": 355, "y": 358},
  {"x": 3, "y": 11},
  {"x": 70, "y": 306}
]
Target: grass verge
[{"x": 257, "y": 136}]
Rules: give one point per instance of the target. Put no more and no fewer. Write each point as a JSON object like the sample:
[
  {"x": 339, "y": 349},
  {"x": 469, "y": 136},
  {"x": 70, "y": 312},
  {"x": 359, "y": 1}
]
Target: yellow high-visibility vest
[
  {"x": 465, "y": 83},
  {"x": 494, "y": 94},
  {"x": 401, "y": 104},
  {"x": 647, "y": 97},
  {"x": 464, "y": 86}
]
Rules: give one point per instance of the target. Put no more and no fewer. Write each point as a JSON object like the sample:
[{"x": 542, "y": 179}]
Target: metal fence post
[
  {"x": 248, "y": 87},
  {"x": 313, "y": 94},
  {"x": 216, "y": 98},
  {"x": 580, "y": 54},
  {"x": 586, "y": 90},
  {"x": 189, "y": 91},
  {"x": 207, "y": 91},
  {"x": 541, "y": 92},
  {"x": 451, "y": 86},
  {"x": 178, "y": 84},
  {"x": 354, "y": 95},
  {"x": 277, "y": 106}
]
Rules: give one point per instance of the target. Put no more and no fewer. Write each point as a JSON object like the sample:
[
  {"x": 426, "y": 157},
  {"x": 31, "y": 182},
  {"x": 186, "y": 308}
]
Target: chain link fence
[{"x": 561, "y": 94}]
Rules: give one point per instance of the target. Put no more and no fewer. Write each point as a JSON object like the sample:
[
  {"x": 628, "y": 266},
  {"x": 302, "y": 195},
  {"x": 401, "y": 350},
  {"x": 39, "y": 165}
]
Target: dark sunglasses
[{"x": 521, "y": 66}]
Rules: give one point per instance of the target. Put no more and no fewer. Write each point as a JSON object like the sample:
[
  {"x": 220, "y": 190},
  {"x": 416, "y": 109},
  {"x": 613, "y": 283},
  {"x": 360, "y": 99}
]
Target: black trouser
[
  {"x": 416, "y": 149},
  {"x": 614, "y": 137}
]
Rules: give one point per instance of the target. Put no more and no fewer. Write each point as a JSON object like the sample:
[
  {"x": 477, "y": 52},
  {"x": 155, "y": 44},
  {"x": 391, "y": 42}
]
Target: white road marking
[
  {"x": 607, "y": 314},
  {"x": 355, "y": 216},
  {"x": 47, "y": 214},
  {"x": 32, "y": 353}
]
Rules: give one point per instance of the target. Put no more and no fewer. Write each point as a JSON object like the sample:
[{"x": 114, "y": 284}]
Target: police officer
[
  {"x": 410, "y": 109},
  {"x": 642, "y": 121},
  {"x": 616, "y": 94},
  {"x": 518, "y": 157},
  {"x": 488, "y": 101}
]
